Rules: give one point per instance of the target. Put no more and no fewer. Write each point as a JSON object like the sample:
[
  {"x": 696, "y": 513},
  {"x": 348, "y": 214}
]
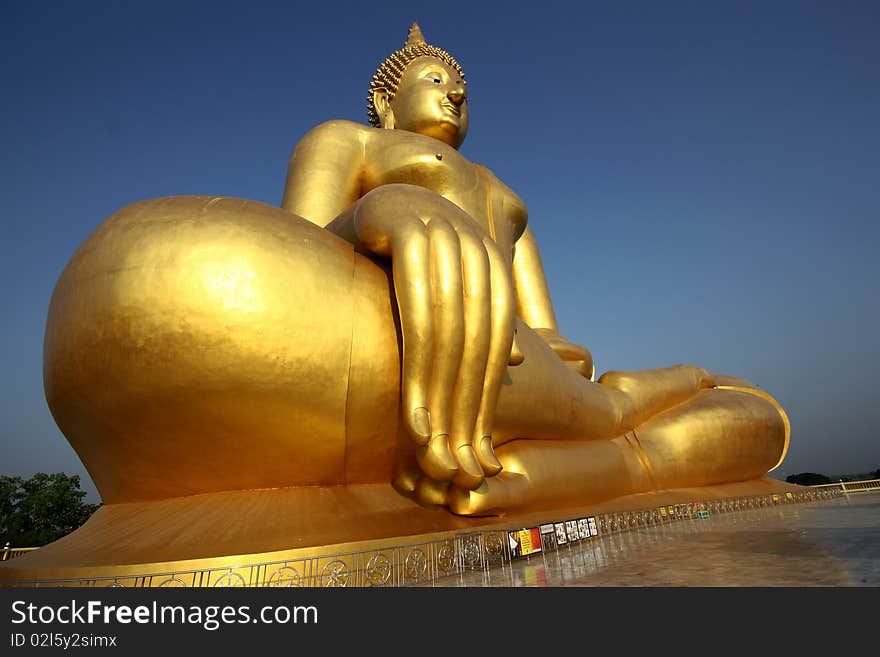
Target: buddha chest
[{"x": 413, "y": 159}]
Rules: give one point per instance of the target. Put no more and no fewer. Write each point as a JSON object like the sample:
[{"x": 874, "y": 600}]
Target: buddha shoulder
[
  {"x": 337, "y": 136},
  {"x": 342, "y": 139}
]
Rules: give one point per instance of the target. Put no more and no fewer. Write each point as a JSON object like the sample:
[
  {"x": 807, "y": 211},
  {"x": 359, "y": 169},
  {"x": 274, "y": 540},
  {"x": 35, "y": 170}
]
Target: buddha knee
[
  {"x": 718, "y": 436},
  {"x": 199, "y": 344}
]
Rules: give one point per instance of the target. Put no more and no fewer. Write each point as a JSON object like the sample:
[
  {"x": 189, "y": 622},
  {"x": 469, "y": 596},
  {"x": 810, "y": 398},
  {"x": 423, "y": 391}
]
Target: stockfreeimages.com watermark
[{"x": 209, "y": 617}]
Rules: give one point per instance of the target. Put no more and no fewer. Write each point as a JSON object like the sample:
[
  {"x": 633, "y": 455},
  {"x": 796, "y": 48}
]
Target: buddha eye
[{"x": 437, "y": 80}]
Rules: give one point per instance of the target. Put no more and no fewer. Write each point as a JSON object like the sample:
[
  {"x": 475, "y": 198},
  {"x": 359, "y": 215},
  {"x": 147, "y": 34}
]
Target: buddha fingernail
[
  {"x": 439, "y": 449},
  {"x": 421, "y": 422},
  {"x": 470, "y": 472},
  {"x": 436, "y": 460},
  {"x": 467, "y": 459},
  {"x": 487, "y": 456}
]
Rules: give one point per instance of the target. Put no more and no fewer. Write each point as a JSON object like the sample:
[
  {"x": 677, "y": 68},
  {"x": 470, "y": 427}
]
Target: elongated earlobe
[{"x": 383, "y": 108}]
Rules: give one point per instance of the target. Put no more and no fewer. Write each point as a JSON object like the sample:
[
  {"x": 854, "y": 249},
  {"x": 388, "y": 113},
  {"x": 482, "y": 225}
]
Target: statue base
[{"x": 355, "y": 535}]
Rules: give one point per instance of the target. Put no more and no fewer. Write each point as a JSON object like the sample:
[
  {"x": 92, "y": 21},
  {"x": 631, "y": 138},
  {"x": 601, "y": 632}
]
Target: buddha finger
[
  {"x": 507, "y": 490},
  {"x": 502, "y": 326},
  {"x": 516, "y": 354},
  {"x": 429, "y": 492},
  {"x": 476, "y": 288},
  {"x": 448, "y": 318},
  {"x": 410, "y": 267}
]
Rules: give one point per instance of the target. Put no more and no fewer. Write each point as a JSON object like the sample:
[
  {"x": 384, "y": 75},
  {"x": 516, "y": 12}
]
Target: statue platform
[{"x": 352, "y": 535}]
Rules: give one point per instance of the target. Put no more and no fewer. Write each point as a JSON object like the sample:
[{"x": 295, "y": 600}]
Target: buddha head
[{"x": 420, "y": 88}]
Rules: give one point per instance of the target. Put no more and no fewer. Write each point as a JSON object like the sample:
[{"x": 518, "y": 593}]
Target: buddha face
[{"x": 431, "y": 100}]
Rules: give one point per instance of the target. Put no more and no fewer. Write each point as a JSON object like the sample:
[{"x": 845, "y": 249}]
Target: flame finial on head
[
  {"x": 415, "y": 36},
  {"x": 388, "y": 75}
]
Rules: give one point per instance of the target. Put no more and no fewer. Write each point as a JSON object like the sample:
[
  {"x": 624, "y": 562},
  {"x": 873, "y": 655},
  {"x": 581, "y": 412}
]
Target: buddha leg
[
  {"x": 544, "y": 399},
  {"x": 199, "y": 344},
  {"x": 719, "y": 436}
]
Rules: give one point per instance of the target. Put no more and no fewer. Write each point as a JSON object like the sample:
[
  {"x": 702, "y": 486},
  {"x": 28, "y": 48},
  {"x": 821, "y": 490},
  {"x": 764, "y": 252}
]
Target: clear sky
[{"x": 703, "y": 178}]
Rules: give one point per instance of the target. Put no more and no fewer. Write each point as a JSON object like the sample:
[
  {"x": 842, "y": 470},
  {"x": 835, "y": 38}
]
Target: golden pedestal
[{"x": 365, "y": 535}]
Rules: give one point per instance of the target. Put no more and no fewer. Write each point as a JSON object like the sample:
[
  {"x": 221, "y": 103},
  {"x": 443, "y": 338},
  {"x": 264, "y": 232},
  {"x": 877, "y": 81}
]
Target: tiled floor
[{"x": 828, "y": 543}]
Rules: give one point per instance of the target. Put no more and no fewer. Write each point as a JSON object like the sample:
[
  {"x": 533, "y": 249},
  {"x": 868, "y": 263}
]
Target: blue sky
[{"x": 702, "y": 177}]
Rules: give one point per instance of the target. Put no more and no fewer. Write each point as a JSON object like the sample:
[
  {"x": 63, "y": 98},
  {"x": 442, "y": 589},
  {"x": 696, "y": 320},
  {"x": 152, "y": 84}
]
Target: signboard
[
  {"x": 571, "y": 528},
  {"x": 583, "y": 529},
  {"x": 524, "y": 542},
  {"x": 561, "y": 538},
  {"x": 548, "y": 537},
  {"x": 789, "y": 496},
  {"x": 591, "y": 521},
  {"x": 663, "y": 511}
]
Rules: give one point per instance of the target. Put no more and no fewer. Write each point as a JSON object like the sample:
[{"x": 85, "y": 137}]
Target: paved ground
[{"x": 831, "y": 543}]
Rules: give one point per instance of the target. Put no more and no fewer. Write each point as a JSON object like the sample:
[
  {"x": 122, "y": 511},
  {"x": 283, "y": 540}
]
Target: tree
[
  {"x": 808, "y": 479},
  {"x": 42, "y": 509}
]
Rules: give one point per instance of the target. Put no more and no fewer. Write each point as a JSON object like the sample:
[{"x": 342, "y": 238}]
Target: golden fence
[
  {"x": 10, "y": 552},
  {"x": 864, "y": 486}
]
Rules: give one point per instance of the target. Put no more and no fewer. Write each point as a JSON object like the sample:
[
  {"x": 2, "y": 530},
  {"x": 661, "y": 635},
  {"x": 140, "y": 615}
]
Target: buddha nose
[{"x": 457, "y": 95}]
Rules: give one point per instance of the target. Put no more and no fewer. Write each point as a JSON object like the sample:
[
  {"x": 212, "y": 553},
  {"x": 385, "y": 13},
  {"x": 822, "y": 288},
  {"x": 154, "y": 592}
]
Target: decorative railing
[
  {"x": 10, "y": 552},
  {"x": 864, "y": 486},
  {"x": 418, "y": 564}
]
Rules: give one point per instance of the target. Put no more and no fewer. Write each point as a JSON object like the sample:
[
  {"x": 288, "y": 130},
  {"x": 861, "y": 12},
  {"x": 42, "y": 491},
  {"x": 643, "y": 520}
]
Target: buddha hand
[
  {"x": 457, "y": 313},
  {"x": 574, "y": 355}
]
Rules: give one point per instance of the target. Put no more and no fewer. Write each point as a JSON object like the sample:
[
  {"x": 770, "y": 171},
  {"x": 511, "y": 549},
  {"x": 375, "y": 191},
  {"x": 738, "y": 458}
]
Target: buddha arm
[
  {"x": 325, "y": 172},
  {"x": 533, "y": 303},
  {"x": 535, "y": 308}
]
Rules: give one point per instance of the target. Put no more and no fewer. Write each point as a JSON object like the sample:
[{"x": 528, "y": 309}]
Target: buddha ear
[{"x": 382, "y": 103}]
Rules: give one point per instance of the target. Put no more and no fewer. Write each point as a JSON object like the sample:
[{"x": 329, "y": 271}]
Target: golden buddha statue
[{"x": 391, "y": 322}]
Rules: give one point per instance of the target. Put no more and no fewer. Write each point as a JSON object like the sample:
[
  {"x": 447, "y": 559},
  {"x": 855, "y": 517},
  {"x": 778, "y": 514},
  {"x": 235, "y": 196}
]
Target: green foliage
[
  {"x": 42, "y": 509},
  {"x": 808, "y": 479}
]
